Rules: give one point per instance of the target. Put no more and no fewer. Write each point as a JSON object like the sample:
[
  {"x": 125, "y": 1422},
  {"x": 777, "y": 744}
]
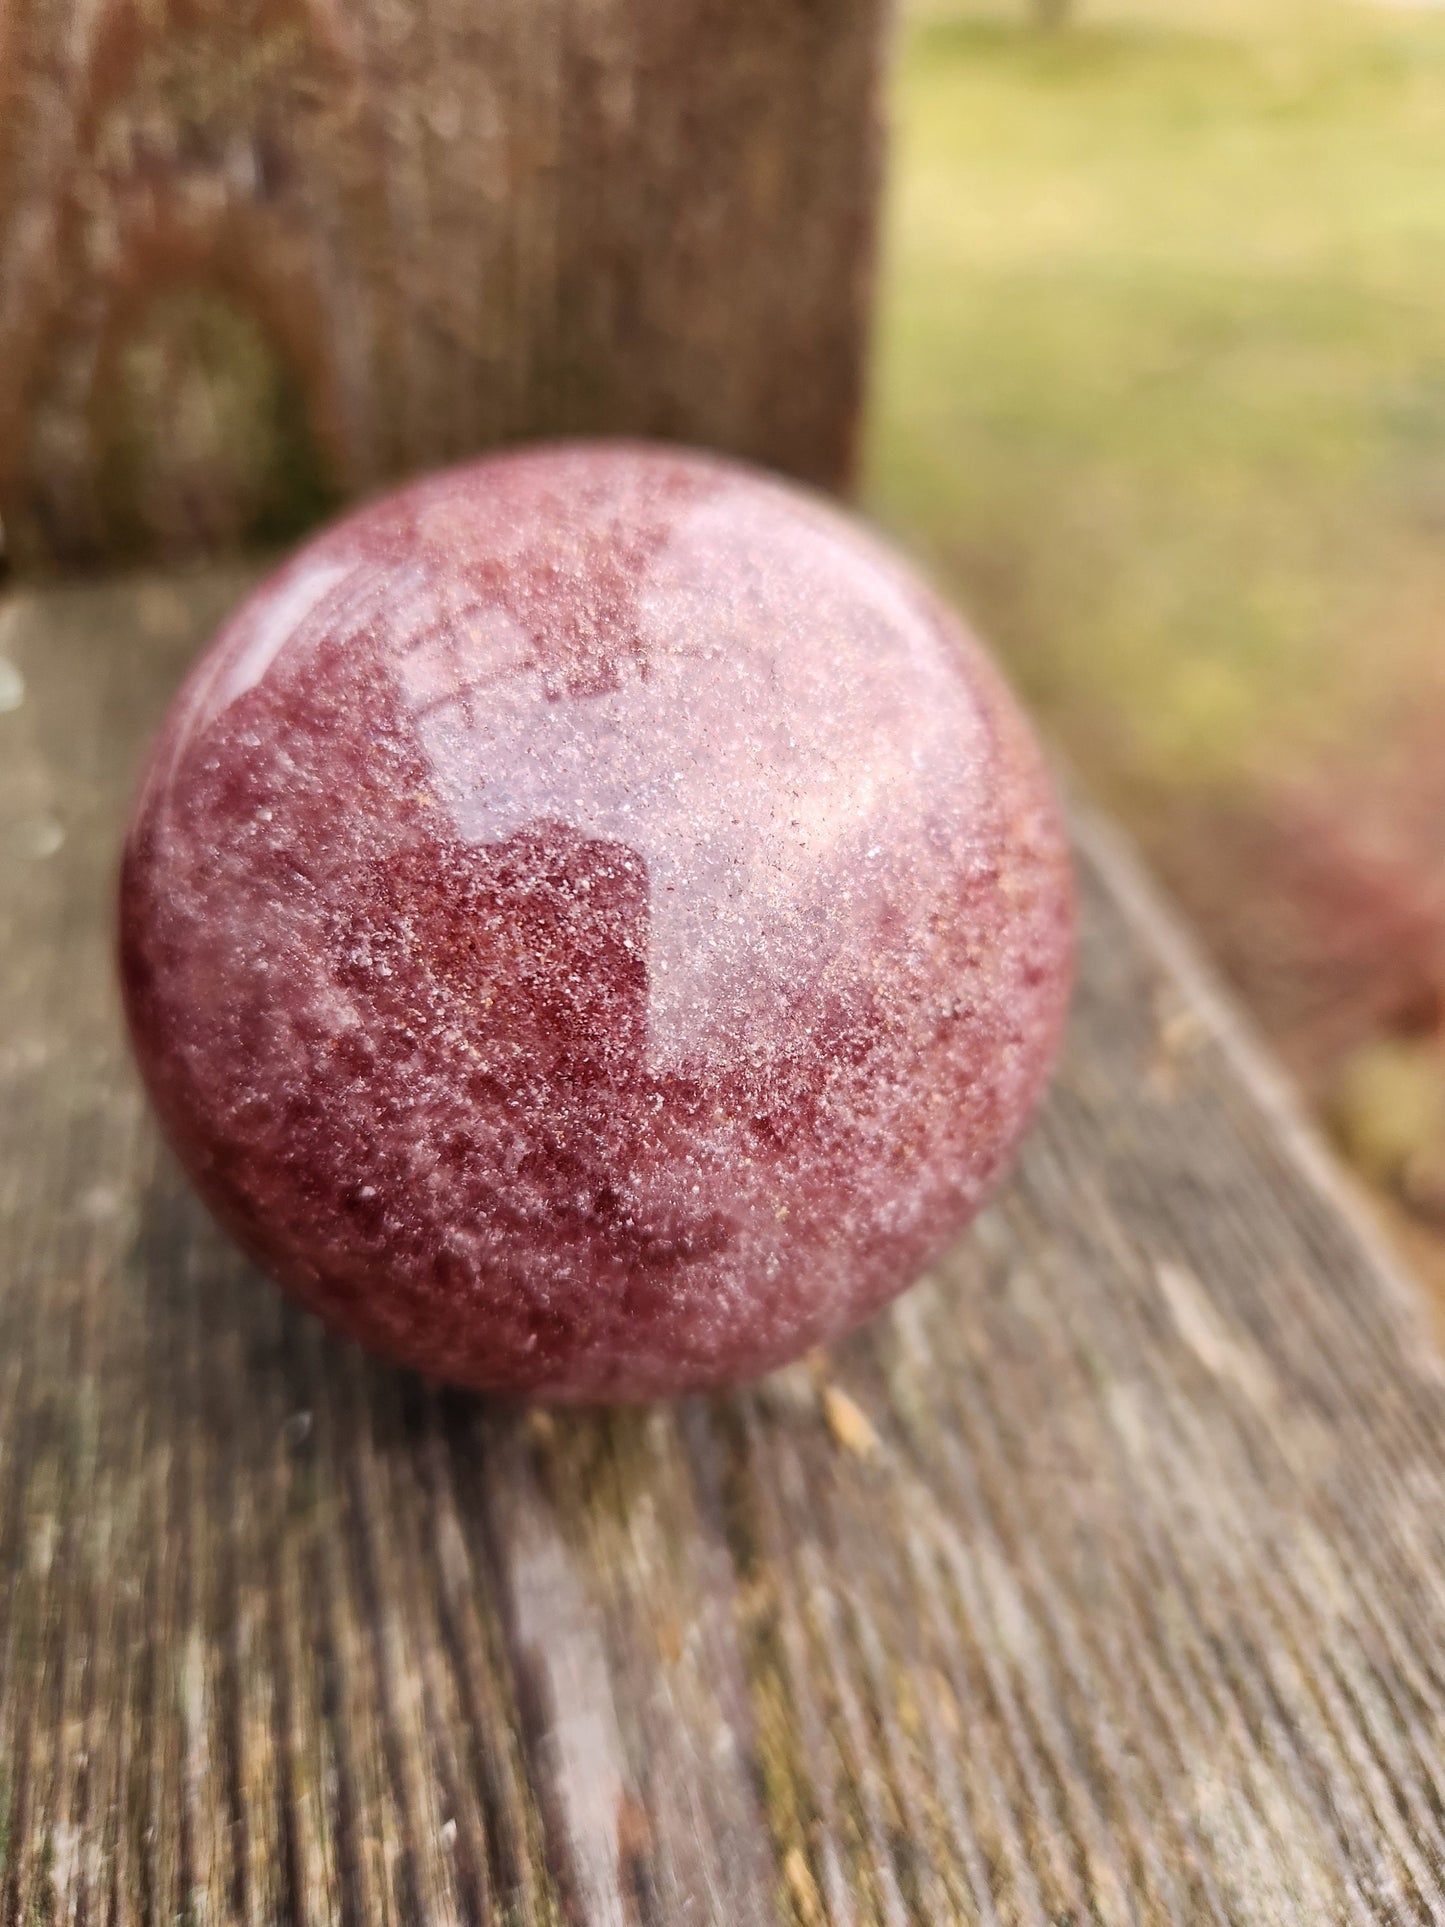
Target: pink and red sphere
[{"x": 594, "y": 925}]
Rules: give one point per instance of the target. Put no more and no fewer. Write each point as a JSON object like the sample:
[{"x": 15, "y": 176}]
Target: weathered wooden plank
[
  {"x": 1102, "y": 1580},
  {"x": 254, "y": 257}
]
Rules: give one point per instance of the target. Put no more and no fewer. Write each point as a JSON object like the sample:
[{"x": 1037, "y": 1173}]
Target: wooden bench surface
[{"x": 1100, "y": 1581}]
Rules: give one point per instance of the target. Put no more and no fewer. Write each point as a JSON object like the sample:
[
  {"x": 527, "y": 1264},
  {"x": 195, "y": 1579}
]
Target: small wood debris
[
  {"x": 1181, "y": 1033},
  {"x": 541, "y": 1426},
  {"x": 802, "y": 1888},
  {"x": 849, "y": 1423}
]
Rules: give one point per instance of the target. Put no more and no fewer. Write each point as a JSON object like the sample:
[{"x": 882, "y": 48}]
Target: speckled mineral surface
[{"x": 594, "y": 925}]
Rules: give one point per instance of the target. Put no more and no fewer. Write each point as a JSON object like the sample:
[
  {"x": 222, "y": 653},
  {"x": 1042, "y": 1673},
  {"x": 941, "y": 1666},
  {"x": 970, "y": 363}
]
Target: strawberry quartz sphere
[{"x": 594, "y": 924}]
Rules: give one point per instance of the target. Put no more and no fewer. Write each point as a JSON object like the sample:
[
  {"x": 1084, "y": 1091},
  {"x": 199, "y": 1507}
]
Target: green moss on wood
[{"x": 202, "y": 433}]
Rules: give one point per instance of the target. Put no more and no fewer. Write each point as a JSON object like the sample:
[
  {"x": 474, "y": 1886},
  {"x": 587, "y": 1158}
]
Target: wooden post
[{"x": 256, "y": 257}]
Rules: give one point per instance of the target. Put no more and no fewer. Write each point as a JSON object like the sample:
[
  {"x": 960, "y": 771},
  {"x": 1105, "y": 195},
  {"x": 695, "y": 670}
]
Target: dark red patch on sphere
[{"x": 594, "y": 924}]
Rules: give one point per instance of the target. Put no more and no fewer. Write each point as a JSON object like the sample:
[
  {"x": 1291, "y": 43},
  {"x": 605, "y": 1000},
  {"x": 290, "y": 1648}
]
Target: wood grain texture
[
  {"x": 257, "y": 255},
  {"x": 1101, "y": 1581}
]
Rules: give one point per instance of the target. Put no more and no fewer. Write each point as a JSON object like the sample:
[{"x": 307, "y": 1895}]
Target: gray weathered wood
[{"x": 1102, "y": 1580}]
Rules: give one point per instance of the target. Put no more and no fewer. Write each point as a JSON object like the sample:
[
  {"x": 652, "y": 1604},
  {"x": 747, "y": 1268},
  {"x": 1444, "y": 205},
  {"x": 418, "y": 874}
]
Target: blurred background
[{"x": 1160, "y": 394}]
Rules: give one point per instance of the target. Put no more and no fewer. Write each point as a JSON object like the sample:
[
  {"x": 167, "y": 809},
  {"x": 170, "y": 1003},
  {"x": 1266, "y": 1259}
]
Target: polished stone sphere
[{"x": 594, "y": 924}]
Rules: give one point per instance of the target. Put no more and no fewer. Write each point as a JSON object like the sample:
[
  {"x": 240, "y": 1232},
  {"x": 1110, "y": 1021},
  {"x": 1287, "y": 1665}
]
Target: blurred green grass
[{"x": 1160, "y": 391}]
